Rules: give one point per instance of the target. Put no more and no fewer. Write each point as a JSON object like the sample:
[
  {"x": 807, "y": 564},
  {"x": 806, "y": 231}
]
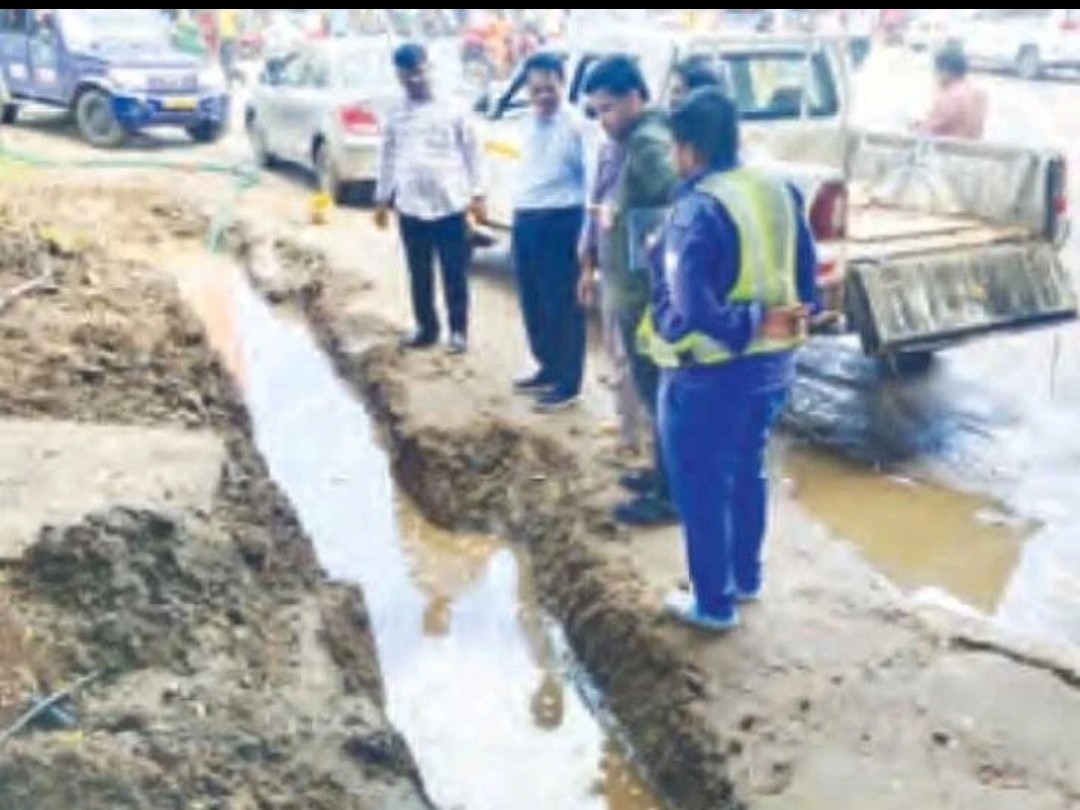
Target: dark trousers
[
  {"x": 229, "y": 51},
  {"x": 646, "y": 377},
  {"x": 715, "y": 441},
  {"x": 447, "y": 238},
  {"x": 545, "y": 259}
]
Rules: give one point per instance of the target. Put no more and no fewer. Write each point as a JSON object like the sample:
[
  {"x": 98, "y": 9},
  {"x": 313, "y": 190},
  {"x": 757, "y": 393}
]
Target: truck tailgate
[
  {"x": 919, "y": 300},
  {"x": 949, "y": 240}
]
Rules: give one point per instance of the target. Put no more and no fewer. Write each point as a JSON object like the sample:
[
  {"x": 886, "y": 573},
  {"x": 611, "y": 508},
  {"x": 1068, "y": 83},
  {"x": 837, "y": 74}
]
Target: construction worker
[{"x": 733, "y": 284}]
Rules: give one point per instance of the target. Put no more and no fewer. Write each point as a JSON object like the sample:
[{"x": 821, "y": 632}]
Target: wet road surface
[
  {"x": 985, "y": 443},
  {"x": 477, "y": 680}
]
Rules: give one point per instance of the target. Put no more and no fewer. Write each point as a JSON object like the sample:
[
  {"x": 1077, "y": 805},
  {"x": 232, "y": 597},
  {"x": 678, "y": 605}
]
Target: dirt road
[{"x": 230, "y": 673}]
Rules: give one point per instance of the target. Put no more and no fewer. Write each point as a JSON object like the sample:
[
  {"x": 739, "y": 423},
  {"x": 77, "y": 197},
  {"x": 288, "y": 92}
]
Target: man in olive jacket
[{"x": 636, "y": 176}]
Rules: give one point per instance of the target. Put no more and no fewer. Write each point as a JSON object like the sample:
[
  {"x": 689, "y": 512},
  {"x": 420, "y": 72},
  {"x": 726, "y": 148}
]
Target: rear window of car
[
  {"x": 775, "y": 85},
  {"x": 372, "y": 68}
]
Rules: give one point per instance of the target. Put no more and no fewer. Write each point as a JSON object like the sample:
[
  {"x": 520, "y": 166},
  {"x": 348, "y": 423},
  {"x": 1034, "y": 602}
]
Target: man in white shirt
[
  {"x": 430, "y": 172},
  {"x": 549, "y": 214}
]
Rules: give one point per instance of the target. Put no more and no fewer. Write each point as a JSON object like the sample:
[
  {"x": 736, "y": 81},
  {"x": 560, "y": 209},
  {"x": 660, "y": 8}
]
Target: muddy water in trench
[{"x": 475, "y": 676}]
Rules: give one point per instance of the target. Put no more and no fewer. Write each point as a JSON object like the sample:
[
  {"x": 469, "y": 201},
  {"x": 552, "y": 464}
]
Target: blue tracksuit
[{"x": 715, "y": 421}]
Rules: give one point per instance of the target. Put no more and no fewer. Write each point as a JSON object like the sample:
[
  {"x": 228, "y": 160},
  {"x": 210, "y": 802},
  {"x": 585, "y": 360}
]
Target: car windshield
[{"x": 93, "y": 27}]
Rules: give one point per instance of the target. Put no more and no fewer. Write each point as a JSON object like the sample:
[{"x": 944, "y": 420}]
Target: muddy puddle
[
  {"x": 920, "y": 535},
  {"x": 477, "y": 680},
  {"x": 993, "y": 424}
]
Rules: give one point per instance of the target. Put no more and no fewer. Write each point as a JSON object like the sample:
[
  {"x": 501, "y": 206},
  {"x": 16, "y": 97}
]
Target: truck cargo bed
[{"x": 877, "y": 233}]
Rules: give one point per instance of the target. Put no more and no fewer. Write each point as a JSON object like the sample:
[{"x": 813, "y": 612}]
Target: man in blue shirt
[
  {"x": 548, "y": 221},
  {"x": 733, "y": 284}
]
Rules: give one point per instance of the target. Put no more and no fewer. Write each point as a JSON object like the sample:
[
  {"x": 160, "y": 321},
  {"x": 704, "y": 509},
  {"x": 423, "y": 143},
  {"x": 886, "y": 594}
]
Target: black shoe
[
  {"x": 536, "y": 384},
  {"x": 647, "y": 512},
  {"x": 555, "y": 401},
  {"x": 418, "y": 341},
  {"x": 459, "y": 344},
  {"x": 639, "y": 483}
]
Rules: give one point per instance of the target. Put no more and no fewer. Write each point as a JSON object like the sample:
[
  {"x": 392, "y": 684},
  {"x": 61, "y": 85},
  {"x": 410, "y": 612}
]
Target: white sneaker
[
  {"x": 682, "y": 606},
  {"x": 748, "y": 597}
]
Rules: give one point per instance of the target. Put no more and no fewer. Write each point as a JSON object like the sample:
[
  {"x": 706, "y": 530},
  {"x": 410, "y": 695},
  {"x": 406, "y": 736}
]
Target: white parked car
[
  {"x": 1027, "y": 41},
  {"x": 931, "y": 28},
  {"x": 322, "y": 107}
]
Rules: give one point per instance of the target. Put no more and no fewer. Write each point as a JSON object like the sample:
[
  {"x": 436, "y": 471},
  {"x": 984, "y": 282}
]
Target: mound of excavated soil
[
  {"x": 217, "y": 685},
  {"x": 138, "y": 592},
  {"x": 109, "y": 341}
]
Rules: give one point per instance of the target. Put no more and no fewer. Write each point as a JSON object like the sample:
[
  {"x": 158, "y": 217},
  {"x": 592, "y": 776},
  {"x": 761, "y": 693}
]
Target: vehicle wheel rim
[{"x": 99, "y": 119}]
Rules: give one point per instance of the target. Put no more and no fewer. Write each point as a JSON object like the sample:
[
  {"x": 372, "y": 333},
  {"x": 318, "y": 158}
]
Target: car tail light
[
  {"x": 828, "y": 223},
  {"x": 829, "y": 213},
  {"x": 1061, "y": 190},
  {"x": 359, "y": 120},
  {"x": 1070, "y": 25},
  {"x": 1057, "y": 200}
]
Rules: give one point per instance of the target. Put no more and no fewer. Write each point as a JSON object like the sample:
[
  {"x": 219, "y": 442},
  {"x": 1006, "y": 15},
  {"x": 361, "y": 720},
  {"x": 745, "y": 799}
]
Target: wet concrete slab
[{"x": 54, "y": 473}]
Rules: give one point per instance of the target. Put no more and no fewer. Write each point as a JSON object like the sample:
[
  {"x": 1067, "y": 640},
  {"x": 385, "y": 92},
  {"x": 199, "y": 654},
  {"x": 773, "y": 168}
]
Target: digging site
[{"x": 150, "y": 560}]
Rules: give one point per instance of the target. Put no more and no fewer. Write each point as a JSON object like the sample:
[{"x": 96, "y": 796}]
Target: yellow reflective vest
[{"x": 766, "y": 220}]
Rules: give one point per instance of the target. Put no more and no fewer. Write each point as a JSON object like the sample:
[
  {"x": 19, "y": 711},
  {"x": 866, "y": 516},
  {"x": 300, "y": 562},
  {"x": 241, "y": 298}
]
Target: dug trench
[
  {"x": 842, "y": 691},
  {"x": 485, "y": 475},
  {"x": 144, "y": 548}
]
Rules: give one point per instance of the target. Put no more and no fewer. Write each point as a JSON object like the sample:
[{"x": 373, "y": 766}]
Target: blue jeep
[{"x": 116, "y": 70}]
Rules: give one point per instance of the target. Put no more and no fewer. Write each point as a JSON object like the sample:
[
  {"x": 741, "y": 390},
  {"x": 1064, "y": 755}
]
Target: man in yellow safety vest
[{"x": 733, "y": 286}]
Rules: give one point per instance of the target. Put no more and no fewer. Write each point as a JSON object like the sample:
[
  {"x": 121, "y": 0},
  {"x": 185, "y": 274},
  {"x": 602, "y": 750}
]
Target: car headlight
[
  {"x": 212, "y": 78},
  {"x": 127, "y": 79}
]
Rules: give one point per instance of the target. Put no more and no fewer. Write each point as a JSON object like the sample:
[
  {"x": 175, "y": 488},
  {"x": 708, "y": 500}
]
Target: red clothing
[{"x": 959, "y": 112}]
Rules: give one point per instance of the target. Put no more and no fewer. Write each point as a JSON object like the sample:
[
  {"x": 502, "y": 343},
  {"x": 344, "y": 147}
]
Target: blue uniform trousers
[{"x": 715, "y": 438}]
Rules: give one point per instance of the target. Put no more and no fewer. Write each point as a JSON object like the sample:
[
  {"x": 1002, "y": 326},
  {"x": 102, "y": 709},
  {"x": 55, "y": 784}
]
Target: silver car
[{"x": 322, "y": 107}]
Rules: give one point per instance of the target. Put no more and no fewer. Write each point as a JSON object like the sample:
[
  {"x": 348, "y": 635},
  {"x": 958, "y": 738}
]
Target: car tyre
[
  {"x": 96, "y": 119},
  {"x": 260, "y": 145},
  {"x": 207, "y": 131},
  {"x": 9, "y": 114},
  {"x": 905, "y": 365}
]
